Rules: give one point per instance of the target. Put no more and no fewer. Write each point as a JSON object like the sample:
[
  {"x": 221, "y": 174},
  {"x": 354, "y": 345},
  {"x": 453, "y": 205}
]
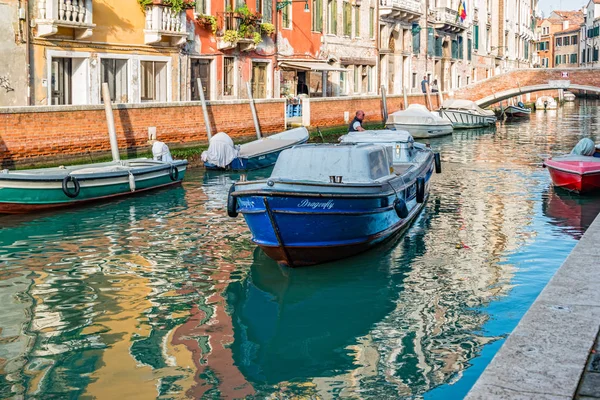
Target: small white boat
[
  {"x": 419, "y": 122},
  {"x": 546, "y": 103},
  {"x": 568, "y": 96},
  {"x": 517, "y": 111},
  {"x": 466, "y": 114}
]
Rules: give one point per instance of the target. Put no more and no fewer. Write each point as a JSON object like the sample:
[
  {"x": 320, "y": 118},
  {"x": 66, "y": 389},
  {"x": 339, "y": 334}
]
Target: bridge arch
[
  {"x": 507, "y": 94},
  {"x": 523, "y": 81}
]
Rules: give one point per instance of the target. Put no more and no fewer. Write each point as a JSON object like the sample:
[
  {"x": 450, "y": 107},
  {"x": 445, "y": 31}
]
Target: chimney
[{"x": 565, "y": 25}]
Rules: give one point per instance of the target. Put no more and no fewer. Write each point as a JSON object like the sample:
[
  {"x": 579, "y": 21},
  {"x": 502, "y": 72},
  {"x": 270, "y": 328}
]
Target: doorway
[{"x": 200, "y": 69}]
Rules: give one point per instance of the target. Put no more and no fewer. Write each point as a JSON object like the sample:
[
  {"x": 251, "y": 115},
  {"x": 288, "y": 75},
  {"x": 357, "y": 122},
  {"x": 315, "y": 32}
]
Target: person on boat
[
  {"x": 160, "y": 151},
  {"x": 356, "y": 124},
  {"x": 585, "y": 147},
  {"x": 434, "y": 86},
  {"x": 424, "y": 84}
]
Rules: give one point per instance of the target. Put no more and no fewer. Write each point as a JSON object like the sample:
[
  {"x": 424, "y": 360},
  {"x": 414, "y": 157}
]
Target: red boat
[{"x": 580, "y": 174}]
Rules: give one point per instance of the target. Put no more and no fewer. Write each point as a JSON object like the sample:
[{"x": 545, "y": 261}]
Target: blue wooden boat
[
  {"x": 326, "y": 202},
  {"x": 46, "y": 188},
  {"x": 261, "y": 153}
]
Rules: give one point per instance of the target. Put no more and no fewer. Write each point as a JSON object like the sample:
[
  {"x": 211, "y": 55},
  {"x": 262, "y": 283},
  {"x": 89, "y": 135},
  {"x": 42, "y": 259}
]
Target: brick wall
[
  {"x": 330, "y": 112},
  {"x": 32, "y": 135}
]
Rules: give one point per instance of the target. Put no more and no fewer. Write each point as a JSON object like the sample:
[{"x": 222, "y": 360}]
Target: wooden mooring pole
[
  {"x": 110, "y": 121},
  {"x": 253, "y": 109},
  {"x": 204, "y": 109}
]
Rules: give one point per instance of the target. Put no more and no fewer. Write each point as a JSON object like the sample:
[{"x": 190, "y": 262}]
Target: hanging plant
[
  {"x": 231, "y": 36},
  {"x": 176, "y": 5},
  {"x": 256, "y": 38},
  {"x": 208, "y": 20},
  {"x": 267, "y": 28}
]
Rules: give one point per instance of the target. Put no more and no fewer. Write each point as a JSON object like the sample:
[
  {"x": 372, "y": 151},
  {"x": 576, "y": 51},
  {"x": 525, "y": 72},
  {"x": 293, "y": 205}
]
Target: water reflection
[
  {"x": 572, "y": 213},
  {"x": 162, "y": 296}
]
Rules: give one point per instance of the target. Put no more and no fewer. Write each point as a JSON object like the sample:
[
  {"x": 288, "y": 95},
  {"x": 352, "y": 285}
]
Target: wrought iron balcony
[
  {"x": 76, "y": 14},
  {"x": 162, "y": 21},
  {"x": 447, "y": 19},
  {"x": 405, "y": 10}
]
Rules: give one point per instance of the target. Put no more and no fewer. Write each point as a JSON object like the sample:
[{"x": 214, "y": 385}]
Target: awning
[{"x": 309, "y": 66}]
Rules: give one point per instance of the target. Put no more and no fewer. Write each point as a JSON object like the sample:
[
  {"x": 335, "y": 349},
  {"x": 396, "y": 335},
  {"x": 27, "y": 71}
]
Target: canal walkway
[{"x": 554, "y": 352}]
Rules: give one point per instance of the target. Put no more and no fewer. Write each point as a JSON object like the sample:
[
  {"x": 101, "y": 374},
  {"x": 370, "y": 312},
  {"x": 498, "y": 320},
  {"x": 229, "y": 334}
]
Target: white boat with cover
[
  {"x": 466, "y": 114},
  {"x": 419, "y": 122},
  {"x": 402, "y": 144},
  {"x": 546, "y": 103}
]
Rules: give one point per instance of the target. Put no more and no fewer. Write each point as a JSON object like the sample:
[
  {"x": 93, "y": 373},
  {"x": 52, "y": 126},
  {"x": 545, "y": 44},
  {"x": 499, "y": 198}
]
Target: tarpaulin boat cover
[
  {"x": 585, "y": 147},
  {"x": 221, "y": 150},
  {"x": 359, "y": 163},
  {"x": 416, "y": 114},
  {"x": 378, "y": 136},
  {"x": 468, "y": 105}
]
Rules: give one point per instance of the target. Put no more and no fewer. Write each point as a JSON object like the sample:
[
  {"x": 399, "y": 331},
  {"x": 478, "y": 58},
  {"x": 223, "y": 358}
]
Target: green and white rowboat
[{"x": 37, "y": 189}]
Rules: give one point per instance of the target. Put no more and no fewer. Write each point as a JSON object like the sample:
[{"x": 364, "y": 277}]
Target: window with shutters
[
  {"x": 371, "y": 23},
  {"x": 114, "y": 72},
  {"x": 266, "y": 10},
  {"x": 286, "y": 16},
  {"x": 430, "y": 42},
  {"x": 573, "y": 59},
  {"x": 347, "y": 19},
  {"x": 228, "y": 70},
  {"x": 357, "y": 21},
  {"x": 153, "y": 81},
  {"x": 461, "y": 50},
  {"x": 356, "y": 78},
  {"x": 438, "y": 46},
  {"x": 317, "y": 15},
  {"x": 416, "y": 32},
  {"x": 476, "y": 36},
  {"x": 469, "y": 50},
  {"x": 332, "y": 12}
]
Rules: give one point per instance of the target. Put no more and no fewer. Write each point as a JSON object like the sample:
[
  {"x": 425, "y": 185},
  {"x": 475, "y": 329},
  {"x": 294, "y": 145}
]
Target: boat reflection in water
[
  {"x": 572, "y": 213},
  {"x": 372, "y": 325}
]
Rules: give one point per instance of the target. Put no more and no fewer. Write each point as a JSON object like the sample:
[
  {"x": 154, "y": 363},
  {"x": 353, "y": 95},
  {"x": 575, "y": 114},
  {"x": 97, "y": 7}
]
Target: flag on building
[{"x": 462, "y": 11}]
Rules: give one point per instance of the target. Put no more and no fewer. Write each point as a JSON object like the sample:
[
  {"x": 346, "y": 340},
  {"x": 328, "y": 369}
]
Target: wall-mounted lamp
[{"x": 280, "y": 5}]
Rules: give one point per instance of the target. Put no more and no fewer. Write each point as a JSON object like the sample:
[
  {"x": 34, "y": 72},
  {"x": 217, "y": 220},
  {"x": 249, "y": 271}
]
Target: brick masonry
[
  {"x": 527, "y": 77},
  {"x": 34, "y": 135}
]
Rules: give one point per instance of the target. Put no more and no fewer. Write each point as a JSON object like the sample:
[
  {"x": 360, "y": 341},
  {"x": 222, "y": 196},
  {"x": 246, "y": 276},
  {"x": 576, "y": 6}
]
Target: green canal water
[{"x": 162, "y": 296}]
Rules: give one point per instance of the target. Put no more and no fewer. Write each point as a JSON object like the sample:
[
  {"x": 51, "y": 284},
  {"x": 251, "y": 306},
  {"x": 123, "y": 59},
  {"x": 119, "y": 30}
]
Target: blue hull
[
  {"x": 255, "y": 162},
  {"x": 300, "y": 229}
]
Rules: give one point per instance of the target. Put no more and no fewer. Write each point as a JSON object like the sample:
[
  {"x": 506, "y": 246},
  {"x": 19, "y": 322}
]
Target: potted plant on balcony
[
  {"x": 208, "y": 21},
  {"x": 267, "y": 28}
]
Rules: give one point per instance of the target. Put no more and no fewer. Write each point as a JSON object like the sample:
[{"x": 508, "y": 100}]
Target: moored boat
[
  {"x": 518, "y": 111},
  {"x": 568, "y": 96},
  {"x": 465, "y": 114},
  {"x": 576, "y": 173},
  {"x": 222, "y": 154},
  {"x": 326, "y": 202},
  {"x": 38, "y": 189},
  {"x": 546, "y": 103},
  {"x": 419, "y": 122}
]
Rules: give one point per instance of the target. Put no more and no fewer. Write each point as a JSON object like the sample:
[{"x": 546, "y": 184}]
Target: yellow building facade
[{"x": 76, "y": 45}]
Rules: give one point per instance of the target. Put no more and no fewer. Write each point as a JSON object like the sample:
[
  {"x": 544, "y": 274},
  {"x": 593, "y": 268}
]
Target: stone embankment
[{"x": 551, "y": 354}]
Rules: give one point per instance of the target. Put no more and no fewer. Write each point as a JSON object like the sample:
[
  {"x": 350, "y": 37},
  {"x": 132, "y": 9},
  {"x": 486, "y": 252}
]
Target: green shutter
[
  {"x": 469, "y": 49},
  {"x": 430, "y": 42},
  {"x": 476, "y": 34},
  {"x": 416, "y": 41}
]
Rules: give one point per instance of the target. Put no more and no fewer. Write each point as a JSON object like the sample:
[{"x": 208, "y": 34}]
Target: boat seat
[{"x": 264, "y": 146}]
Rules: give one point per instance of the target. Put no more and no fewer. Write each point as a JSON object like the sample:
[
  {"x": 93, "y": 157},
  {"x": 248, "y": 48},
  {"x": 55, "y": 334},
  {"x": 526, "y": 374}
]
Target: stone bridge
[{"x": 522, "y": 81}]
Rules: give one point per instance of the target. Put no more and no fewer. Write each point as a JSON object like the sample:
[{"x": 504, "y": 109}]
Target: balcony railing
[
  {"x": 447, "y": 19},
  {"x": 76, "y": 14},
  {"x": 163, "y": 21},
  {"x": 408, "y": 10}
]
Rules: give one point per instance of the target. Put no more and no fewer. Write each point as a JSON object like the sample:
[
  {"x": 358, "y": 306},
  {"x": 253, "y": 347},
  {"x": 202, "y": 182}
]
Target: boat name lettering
[
  {"x": 246, "y": 203},
  {"x": 314, "y": 204}
]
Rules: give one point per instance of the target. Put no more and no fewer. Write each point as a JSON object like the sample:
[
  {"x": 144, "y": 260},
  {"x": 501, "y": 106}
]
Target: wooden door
[
  {"x": 200, "y": 68},
  {"x": 259, "y": 80}
]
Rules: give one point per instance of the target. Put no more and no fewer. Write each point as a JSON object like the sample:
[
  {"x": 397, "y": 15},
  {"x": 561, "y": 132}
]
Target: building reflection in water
[{"x": 163, "y": 296}]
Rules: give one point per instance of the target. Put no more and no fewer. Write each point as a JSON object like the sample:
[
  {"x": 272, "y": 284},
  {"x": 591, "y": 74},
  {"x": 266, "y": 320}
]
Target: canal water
[{"x": 163, "y": 296}]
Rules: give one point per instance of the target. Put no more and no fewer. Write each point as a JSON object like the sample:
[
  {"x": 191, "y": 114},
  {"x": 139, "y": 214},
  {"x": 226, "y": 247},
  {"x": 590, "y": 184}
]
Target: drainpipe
[
  {"x": 275, "y": 45},
  {"x": 27, "y": 54}
]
